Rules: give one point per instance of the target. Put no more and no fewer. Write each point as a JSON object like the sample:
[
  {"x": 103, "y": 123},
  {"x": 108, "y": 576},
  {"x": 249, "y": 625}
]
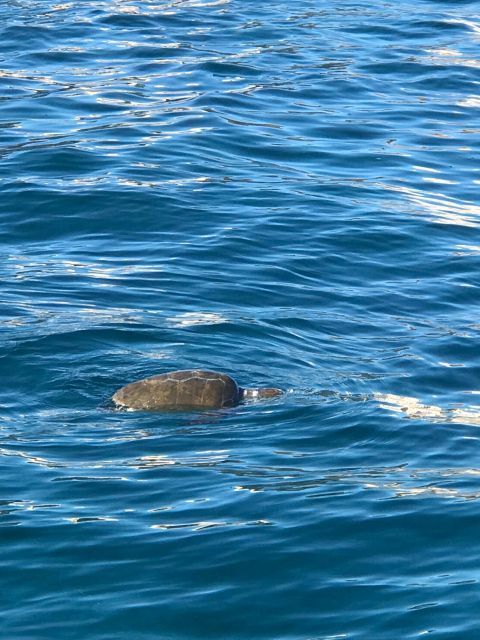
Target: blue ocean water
[{"x": 287, "y": 192}]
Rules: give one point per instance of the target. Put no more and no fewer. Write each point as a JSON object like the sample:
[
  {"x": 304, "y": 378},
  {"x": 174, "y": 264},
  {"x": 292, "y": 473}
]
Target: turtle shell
[{"x": 180, "y": 390}]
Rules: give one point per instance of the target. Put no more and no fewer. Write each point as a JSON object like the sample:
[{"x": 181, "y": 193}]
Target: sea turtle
[{"x": 190, "y": 389}]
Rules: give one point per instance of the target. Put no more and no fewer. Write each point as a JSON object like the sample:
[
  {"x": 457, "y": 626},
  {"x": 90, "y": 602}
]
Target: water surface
[{"x": 287, "y": 192}]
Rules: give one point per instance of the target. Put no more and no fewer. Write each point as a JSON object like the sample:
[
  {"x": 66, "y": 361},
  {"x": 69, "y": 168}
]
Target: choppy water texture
[{"x": 285, "y": 191}]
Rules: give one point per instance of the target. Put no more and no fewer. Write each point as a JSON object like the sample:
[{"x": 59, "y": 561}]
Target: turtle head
[{"x": 262, "y": 393}]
